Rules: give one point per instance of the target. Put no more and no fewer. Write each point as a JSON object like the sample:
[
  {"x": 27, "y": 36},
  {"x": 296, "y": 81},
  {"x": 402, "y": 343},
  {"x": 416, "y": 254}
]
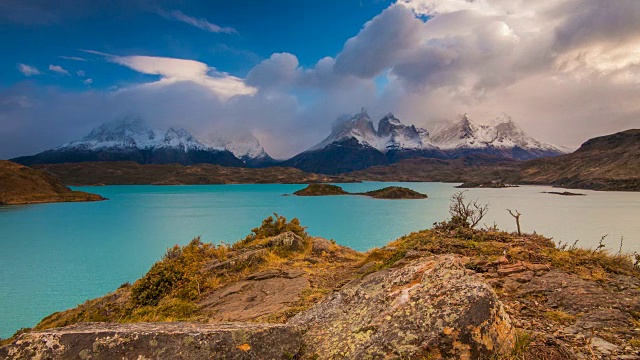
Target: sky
[{"x": 283, "y": 70}]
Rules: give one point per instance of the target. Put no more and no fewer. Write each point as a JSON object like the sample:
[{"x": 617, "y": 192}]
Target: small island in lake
[
  {"x": 564, "y": 193},
  {"x": 395, "y": 192},
  {"x": 20, "y": 184},
  {"x": 321, "y": 190},
  {"x": 487, "y": 184},
  {"x": 390, "y": 192}
]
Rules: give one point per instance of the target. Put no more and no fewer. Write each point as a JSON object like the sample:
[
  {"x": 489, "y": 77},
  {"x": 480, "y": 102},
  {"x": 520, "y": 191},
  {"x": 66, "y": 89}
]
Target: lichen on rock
[{"x": 430, "y": 307}]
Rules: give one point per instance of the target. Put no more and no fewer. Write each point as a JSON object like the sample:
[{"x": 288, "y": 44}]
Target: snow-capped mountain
[
  {"x": 244, "y": 146},
  {"x": 502, "y": 138},
  {"x": 129, "y": 139},
  {"x": 132, "y": 133},
  {"x": 355, "y": 144}
]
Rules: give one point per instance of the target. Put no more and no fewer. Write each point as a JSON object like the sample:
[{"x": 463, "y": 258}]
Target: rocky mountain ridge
[{"x": 354, "y": 143}]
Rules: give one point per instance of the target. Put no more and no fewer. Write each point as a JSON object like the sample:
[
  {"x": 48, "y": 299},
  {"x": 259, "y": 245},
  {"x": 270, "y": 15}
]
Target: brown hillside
[
  {"x": 609, "y": 162},
  {"x": 131, "y": 173},
  {"x": 23, "y": 185}
]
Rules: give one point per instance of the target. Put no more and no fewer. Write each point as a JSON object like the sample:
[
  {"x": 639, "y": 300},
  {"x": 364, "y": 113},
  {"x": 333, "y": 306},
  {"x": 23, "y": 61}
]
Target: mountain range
[
  {"x": 353, "y": 144},
  {"x": 129, "y": 139}
]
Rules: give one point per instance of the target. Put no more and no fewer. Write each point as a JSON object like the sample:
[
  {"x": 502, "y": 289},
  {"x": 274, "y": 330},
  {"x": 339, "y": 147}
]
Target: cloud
[
  {"x": 75, "y": 58},
  {"x": 383, "y": 41},
  {"x": 172, "y": 70},
  {"x": 58, "y": 69},
  {"x": 276, "y": 71},
  {"x": 87, "y": 81},
  {"x": 28, "y": 70},
  {"x": 565, "y": 70},
  {"x": 200, "y": 23},
  {"x": 80, "y": 73}
]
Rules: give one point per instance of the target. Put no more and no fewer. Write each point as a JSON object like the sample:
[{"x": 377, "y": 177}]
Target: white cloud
[
  {"x": 566, "y": 70},
  {"x": 172, "y": 70},
  {"x": 28, "y": 70},
  {"x": 87, "y": 81},
  {"x": 177, "y": 70},
  {"x": 200, "y": 23},
  {"x": 75, "y": 58},
  {"x": 58, "y": 69}
]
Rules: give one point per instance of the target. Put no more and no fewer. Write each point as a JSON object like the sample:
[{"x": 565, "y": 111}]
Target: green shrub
[
  {"x": 272, "y": 226},
  {"x": 177, "y": 273}
]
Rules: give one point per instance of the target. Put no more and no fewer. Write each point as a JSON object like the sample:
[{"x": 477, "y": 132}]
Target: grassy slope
[{"x": 23, "y": 185}]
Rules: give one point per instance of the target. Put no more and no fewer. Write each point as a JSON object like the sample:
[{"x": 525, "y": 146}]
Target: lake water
[{"x": 55, "y": 256}]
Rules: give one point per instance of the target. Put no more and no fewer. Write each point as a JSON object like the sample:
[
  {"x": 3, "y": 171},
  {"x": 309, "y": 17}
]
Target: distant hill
[
  {"x": 23, "y": 185},
  {"x": 474, "y": 168},
  {"x": 610, "y": 162},
  {"x": 131, "y": 173}
]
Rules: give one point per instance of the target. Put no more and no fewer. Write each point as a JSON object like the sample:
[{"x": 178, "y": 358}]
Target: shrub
[
  {"x": 178, "y": 272},
  {"x": 272, "y": 226},
  {"x": 465, "y": 215}
]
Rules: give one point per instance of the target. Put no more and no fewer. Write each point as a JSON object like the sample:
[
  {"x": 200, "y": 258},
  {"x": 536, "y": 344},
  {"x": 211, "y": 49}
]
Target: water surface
[{"x": 55, "y": 256}]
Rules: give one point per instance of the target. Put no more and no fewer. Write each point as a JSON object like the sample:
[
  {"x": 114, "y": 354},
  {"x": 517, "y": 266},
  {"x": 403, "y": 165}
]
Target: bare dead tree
[
  {"x": 516, "y": 215},
  {"x": 467, "y": 213}
]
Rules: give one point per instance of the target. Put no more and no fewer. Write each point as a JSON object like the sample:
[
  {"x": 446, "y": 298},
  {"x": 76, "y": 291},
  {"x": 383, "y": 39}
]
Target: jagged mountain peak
[
  {"x": 390, "y": 135},
  {"x": 121, "y": 129}
]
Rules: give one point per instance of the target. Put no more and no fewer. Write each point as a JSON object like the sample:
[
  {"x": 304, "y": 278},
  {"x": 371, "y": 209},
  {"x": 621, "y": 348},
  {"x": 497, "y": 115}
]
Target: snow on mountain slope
[
  {"x": 397, "y": 136},
  {"x": 244, "y": 146},
  {"x": 503, "y": 134},
  {"x": 502, "y": 138},
  {"x": 391, "y": 133},
  {"x": 358, "y": 126},
  {"x": 132, "y": 133}
]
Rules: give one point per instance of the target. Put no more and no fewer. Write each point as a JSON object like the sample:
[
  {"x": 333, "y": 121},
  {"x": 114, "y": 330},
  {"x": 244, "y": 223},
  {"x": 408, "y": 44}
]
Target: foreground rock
[
  {"x": 23, "y": 185},
  {"x": 430, "y": 308},
  {"x": 427, "y": 307},
  {"x": 158, "y": 341}
]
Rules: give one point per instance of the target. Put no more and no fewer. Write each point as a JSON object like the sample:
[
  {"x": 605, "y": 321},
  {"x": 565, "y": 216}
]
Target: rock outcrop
[
  {"x": 432, "y": 307},
  {"x": 158, "y": 341},
  {"x": 262, "y": 294}
]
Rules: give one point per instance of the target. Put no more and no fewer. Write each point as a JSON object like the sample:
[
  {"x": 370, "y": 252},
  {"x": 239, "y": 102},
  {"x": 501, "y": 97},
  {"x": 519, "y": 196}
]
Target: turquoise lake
[{"x": 55, "y": 256}]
